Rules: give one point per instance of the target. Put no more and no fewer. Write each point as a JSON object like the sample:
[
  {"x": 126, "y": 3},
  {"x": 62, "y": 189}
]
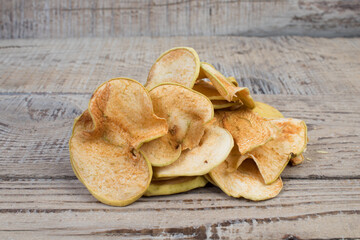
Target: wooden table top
[{"x": 45, "y": 84}]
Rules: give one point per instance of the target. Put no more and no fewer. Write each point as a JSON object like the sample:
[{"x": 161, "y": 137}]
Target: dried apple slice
[
  {"x": 122, "y": 111},
  {"x": 103, "y": 145},
  {"x": 208, "y": 89},
  {"x": 248, "y": 129},
  {"x": 178, "y": 65},
  {"x": 214, "y": 147},
  {"x": 272, "y": 157},
  {"x": 245, "y": 182},
  {"x": 186, "y": 112},
  {"x": 226, "y": 88},
  {"x": 297, "y": 160},
  {"x": 175, "y": 185},
  {"x": 266, "y": 111},
  {"x": 221, "y": 104},
  {"x": 209, "y": 179}
]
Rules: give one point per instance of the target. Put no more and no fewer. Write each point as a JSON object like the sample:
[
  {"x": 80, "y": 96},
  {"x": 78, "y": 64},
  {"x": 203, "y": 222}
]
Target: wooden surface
[
  {"x": 109, "y": 18},
  {"x": 45, "y": 84}
]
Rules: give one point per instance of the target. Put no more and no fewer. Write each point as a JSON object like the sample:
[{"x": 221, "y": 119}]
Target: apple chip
[
  {"x": 208, "y": 89},
  {"x": 123, "y": 112},
  {"x": 214, "y": 147},
  {"x": 186, "y": 112},
  {"x": 175, "y": 185},
  {"x": 248, "y": 129},
  {"x": 272, "y": 157},
  {"x": 246, "y": 181},
  {"x": 178, "y": 65},
  {"x": 103, "y": 144},
  {"x": 221, "y": 104},
  {"x": 297, "y": 160},
  {"x": 209, "y": 179},
  {"x": 266, "y": 111},
  {"x": 226, "y": 89}
]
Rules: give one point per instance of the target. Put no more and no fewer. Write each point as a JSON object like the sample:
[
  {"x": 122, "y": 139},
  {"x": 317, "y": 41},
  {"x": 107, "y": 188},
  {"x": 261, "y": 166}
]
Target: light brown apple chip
[
  {"x": 178, "y": 65},
  {"x": 175, "y": 185},
  {"x": 207, "y": 89},
  {"x": 297, "y": 160},
  {"x": 245, "y": 182},
  {"x": 123, "y": 112},
  {"x": 115, "y": 175},
  {"x": 186, "y": 112},
  {"x": 248, "y": 129},
  {"x": 103, "y": 144},
  {"x": 226, "y": 89},
  {"x": 272, "y": 157},
  {"x": 266, "y": 111},
  {"x": 222, "y": 104},
  {"x": 214, "y": 147}
]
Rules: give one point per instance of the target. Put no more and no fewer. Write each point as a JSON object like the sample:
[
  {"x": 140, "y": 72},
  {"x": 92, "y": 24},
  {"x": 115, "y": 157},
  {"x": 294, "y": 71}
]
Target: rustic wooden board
[
  {"x": 280, "y": 65},
  {"x": 56, "y": 208},
  {"x": 45, "y": 84},
  {"x": 36, "y": 129},
  {"x": 108, "y": 18}
]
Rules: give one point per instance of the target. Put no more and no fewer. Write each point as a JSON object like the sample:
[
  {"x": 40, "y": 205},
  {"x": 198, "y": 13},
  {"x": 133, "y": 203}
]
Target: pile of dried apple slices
[{"x": 188, "y": 126}]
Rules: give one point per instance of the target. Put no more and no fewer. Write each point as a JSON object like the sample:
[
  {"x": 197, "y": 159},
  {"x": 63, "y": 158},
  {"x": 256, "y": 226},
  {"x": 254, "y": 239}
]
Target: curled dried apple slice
[
  {"x": 175, "y": 185},
  {"x": 186, "y": 112},
  {"x": 214, "y": 147},
  {"x": 266, "y": 111},
  {"x": 248, "y": 128},
  {"x": 226, "y": 88},
  {"x": 297, "y": 160},
  {"x": 221, "y": 104},
  {"x": 178, "y": 65},
  {"x": 103, "y": 144},
  {"x": 246, "y": 181},
  {"x": 208, "y": 89},
  {"x": 272, "y": 157}
]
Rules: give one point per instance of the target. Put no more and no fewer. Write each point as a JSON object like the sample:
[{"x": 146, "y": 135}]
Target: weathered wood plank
[
  {"x": 63, "y": 19},
  {"x": 56, "y": 208},
  {"x": 280, "y": 65},
  {"x": 35, "y": 130}
]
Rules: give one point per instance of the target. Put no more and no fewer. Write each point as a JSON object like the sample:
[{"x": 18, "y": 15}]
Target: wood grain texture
[
  {"x": 35, "y": 130},
  {"x": 279, "y": 65},
  {"x": 45, "y": 84},
  {"x": 305, "y": 208},
  {"x": 108, "y": 18}
]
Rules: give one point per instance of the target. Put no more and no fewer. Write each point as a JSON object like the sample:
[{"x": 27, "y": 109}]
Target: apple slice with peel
[
  {"x": 186, "y": 112},
  {"x": 214, "y": 147},
  {"x": 175, "y": 185},
  {"x": 178, "y": 65},
  {"x": 103, "y": 144},
  {"x": 226, "y": 89}
]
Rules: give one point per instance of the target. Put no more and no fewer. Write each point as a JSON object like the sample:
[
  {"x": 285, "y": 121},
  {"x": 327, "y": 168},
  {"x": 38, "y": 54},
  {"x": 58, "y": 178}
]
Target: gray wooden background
[{"x": 110, "y": 18}]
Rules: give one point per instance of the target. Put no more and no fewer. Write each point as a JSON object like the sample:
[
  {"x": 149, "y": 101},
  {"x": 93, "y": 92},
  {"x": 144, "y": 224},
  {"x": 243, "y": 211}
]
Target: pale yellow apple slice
[
  {"x": 175, "y": 185},
  {"x": 186, "y": 112},
  {"x": 245, "y": 181},
  {"x": 248, "y": 129},
  {"x": 214, "y": 147},
  {"x": 226, "y": 88},
  {"x": 207, "y": 88},
  {"x": 267, "y": 111},
  {"x": 178, "y": 65},
  {"x": 272, "y": 157},
  {"x": 103, "y": 144},
  {"x": 222, "y": 104}
]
